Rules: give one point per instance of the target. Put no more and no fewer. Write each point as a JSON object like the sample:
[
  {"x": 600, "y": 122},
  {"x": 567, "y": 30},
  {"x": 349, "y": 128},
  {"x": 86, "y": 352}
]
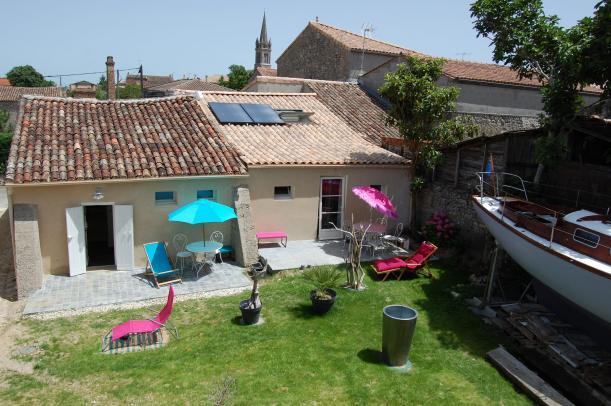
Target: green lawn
[{"x": 293, "y": 358}]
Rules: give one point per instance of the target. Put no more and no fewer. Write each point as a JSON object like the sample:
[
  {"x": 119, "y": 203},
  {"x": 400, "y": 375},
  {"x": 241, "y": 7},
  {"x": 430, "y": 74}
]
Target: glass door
[{"x": 331, "y": 208}]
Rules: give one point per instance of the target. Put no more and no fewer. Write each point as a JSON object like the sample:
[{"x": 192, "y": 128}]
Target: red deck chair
[
  {"x": 150, "y": 325},
  {"x": 417, "y": 260}
]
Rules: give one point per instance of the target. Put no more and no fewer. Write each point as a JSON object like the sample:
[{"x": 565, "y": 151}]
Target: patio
[
  {"x": 314, "y": 253},
  {"x": 103, "y": 288}
]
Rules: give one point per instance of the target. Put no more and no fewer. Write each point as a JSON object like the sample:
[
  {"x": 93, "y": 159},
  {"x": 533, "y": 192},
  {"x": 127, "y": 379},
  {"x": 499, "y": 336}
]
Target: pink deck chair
[
  {"x": 150, "y": 325},
  {"x": 416, "y": 261}
]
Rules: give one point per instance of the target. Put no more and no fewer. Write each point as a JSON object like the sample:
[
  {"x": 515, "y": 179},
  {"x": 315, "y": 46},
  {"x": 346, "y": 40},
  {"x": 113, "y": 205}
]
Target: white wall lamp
[{"x": 98, "y": 195}]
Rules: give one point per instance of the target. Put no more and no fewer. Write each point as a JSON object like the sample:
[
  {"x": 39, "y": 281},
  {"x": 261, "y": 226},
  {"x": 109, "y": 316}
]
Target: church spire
[
  {"x": 263, "y": 47},
  {"x": 263, "y": 36}
]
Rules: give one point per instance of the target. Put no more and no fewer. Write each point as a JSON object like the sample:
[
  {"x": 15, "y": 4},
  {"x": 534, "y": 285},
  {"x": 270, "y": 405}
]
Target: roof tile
[
  {"x": 63, "y": 139},
  {"x": 324, "y": 139},
  {"x": 14, "y": 93}
]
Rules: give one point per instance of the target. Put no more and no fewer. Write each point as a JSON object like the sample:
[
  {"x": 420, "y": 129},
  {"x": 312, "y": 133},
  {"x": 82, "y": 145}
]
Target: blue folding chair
[{"x": 158, "y": 262}]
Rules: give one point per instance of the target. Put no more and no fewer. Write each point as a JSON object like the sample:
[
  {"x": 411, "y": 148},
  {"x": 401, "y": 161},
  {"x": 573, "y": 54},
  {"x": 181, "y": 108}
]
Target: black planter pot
[
  {"x": 249, "y": 316},
  {"x": 322, "y": 306}
]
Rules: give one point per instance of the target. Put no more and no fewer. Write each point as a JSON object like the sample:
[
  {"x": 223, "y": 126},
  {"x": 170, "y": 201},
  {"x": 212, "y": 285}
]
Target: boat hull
[{"x": 584, "y": 288}]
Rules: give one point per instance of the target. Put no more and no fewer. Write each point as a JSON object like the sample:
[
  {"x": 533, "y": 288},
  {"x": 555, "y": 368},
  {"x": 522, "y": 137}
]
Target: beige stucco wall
[
  {"x": 298, "y": 217},
  {"x": 150, "y": 220}
]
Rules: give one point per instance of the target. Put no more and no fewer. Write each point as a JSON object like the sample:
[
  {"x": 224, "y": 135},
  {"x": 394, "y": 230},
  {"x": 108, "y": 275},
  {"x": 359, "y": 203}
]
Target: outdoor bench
[{"x": 270, "y": 235}]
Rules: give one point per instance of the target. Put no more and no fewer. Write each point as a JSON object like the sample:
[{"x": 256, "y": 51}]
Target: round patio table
[{"x": 205, "y": 248}]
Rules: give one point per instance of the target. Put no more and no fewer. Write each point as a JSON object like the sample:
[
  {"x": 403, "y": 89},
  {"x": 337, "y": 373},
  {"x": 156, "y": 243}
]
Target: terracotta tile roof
[
  {"x": 14, "y": 93},
  {"x": 348, "y": 101},
  {"x": 190, "y": 84},
  {"x": 355, "y": 41},
  {"x": 461, "y": 70},
  {"x": 148, "y": 80},
  {"x": 4, "y": 82},
  {"x": 324, "y": 139},
  {"x": 265, "y": 71},
  {"x": 64, "y": 139}
]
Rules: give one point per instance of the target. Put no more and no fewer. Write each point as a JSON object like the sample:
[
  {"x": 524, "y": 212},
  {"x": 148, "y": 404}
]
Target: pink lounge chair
[
  {"x": 269, "y": 235},
  {"x": 150, "y": 325}
]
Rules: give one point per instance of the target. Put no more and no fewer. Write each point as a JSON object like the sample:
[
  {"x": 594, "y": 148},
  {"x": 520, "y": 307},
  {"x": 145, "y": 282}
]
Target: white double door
[{"x": 123, "y": 234}]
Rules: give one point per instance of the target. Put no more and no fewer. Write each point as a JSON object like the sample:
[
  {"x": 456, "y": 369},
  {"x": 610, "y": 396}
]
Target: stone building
[
  {"x": 493, "y": 95},
  {"x": 83, "y": 90},
  {"x": 175, "y": 87}
]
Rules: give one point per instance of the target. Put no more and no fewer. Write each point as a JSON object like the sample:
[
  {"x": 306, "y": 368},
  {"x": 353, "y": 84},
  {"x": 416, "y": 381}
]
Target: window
[
  {"x": 206, "y": 194},
  {"x": 586, "y": 237},
  {"x": 377, "y": 187},
  {"x": 165, "y": 198},
  {"x": 283, "y": 192}
]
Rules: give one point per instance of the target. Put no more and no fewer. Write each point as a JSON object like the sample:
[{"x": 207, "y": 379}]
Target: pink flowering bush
[{"x": 440, "y": 229}]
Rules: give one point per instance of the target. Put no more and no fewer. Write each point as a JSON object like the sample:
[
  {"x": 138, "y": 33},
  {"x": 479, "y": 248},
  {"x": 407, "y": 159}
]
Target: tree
[
  {"x": 27, "y": 76},
  {"x": 100, "y": 92},
  {"x": 564, "y": 59},
  {"x": 131, "y": 91},
  {"x": 421, "y": 111},
  {"x": 237, "y": 78}
]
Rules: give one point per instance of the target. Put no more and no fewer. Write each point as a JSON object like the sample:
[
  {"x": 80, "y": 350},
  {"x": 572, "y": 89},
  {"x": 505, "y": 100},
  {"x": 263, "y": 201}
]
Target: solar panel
[
  {"x": 262, "y": 113},
  {"x": 230, "y": 113}
]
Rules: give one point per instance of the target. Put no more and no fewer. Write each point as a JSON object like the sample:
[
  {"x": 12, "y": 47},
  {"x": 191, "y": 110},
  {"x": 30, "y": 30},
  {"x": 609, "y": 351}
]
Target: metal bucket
[{"x": 397, "y": 331}]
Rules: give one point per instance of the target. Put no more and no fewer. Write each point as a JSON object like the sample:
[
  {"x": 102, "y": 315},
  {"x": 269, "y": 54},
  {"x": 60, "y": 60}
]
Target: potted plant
[
  {"x": 323, "y": 279},
  {"x": 251, "y": 307}
]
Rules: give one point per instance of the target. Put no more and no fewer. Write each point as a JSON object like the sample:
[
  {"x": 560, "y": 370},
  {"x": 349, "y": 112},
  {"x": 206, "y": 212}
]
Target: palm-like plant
[{"x": 323, "y": 278}]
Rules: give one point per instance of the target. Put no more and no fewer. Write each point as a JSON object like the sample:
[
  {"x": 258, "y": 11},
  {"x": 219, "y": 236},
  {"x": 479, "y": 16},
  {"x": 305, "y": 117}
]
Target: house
[
  {"x": 5, "y": 82},
  {"x": 169, "y": 89},
  {"x": 147, "y": 80},
  {"x": 90, "y": 181},
  {"x": 301, "y": 170},
  {"x": 10, "y": 96},
  {"x": 362, "y": 112},
  {"x": 83, "y": 90},
  {"x": 492, "y": 95}
]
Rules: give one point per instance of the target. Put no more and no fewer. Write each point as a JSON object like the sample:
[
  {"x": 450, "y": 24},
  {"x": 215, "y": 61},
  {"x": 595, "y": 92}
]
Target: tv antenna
[
  {"x": 366, "y": 29},
  {"x": 463, "y": 54}
]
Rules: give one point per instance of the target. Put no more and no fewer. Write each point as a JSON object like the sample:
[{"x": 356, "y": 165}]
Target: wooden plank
[
  {"x": 484, "y": 158},
  {"x": 456, "y": 168},
  {"x": 530, "y": 382}
]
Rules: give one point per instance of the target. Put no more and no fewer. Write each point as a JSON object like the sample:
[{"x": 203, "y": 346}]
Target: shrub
[
  {"x": 5, "y": 146},
  {"x": 440, "y": 230},
  {"x": 323, "y": 278}
]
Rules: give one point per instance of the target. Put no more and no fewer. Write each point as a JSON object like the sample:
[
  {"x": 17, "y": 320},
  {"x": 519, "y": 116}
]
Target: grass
[{"x": 295, "y": 357}]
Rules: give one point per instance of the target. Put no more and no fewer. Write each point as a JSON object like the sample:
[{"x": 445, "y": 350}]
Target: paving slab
[{"x": 102, "y": 288}]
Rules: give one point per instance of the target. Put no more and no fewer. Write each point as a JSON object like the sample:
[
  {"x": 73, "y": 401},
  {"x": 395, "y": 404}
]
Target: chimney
[{"x": 110, "y": 78}]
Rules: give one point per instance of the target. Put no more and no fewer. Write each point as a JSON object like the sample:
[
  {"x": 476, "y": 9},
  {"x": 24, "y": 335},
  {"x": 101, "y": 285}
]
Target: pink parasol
[{"x": 376, "y": 199}]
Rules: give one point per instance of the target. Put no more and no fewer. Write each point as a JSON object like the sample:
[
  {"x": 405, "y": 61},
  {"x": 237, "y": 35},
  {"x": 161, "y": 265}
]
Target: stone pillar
[
  {"x": 243, "y": 233},
  {"x": 8, "y": 288},
  {"x": 28, "y": 258},
  {"x": 110, "y": 78}
]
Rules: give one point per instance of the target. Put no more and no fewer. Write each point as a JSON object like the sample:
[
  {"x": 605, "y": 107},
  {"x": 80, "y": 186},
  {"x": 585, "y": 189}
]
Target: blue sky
[{"x": 190, "y": 37}]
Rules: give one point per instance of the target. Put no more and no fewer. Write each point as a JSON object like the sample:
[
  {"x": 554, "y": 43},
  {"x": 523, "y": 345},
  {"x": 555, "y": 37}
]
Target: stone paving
[
  {"x": 313, "y": 253},
  {"x": 102, "y": 288}
]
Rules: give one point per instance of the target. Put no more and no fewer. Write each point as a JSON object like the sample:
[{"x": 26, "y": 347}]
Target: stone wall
[
  {"x": 244, "y": 242},
  {"x": 28, "y": 259},
  {"x": 313, "y": 55}
]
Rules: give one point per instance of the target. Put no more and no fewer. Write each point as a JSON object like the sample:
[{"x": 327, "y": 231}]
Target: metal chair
[
  {"x": 217, "y": 236},
  {"x": 180, "y": 242}
]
